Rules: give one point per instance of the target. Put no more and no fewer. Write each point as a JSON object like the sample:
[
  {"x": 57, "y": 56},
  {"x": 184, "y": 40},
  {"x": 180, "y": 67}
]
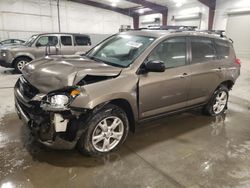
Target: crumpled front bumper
[{"x": 27, "y": 113}]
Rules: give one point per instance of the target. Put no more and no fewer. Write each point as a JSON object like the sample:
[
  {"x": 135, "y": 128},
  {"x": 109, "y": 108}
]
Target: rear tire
[
  {"x": 218, "y": 102},
  {"x": 101, "y": 137},
  {"x": 20, "y": 62}
]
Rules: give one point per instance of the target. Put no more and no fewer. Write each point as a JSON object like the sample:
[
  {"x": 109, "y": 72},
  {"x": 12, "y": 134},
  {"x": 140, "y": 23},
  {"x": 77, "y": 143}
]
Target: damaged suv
[{"x": 93, "y": 100}]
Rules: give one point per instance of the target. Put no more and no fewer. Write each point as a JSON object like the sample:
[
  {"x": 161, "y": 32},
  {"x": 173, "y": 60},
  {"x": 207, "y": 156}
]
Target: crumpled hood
[{"x": 53, "y": 73}]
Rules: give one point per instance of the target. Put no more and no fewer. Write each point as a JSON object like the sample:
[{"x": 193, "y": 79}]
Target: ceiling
[
  {"x": 118, "y": 3},
  {"x": 126, "y": 4},
  {"x": 131, "y": 7},
  {"x": 172, "y": 3}
]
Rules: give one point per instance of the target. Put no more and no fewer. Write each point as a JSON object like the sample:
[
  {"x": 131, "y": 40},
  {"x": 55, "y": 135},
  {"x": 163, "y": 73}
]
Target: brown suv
[{"x": 93, "y": 100}]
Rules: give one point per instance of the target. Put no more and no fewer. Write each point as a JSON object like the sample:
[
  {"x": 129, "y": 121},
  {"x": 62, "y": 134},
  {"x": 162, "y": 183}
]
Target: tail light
[{"x": 237, "y": 61}]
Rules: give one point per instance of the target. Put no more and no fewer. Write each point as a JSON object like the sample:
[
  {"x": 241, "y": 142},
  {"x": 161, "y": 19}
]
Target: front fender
[
  {"x": 19, "y": 54},
  {"x": 123, "y": 87}
]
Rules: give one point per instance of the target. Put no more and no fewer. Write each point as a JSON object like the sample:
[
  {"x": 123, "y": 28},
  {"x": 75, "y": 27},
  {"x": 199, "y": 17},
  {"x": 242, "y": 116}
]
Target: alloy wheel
[
  {"x": 220, "y": 102},
  {"x": 21, "y": 64},
  {"x": 107, "y": 134}
]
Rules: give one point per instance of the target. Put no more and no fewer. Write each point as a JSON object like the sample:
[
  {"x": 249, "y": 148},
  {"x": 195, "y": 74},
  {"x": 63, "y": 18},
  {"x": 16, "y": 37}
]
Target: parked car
[
  {"x": 35, "y": 47},
  {"x": 11, "y": 42},
  {"x": 93, "y": 101}
]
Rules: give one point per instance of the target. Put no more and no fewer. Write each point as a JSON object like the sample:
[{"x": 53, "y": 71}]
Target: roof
[{"x": 162, "y": 33}]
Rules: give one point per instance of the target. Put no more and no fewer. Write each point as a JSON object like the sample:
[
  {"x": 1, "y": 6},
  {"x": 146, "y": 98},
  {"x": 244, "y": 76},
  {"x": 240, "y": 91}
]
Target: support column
[
  {"x": 211, "y": 18},
  {"x": 136, "y": 21},
  {"x": 164, "y": 18}
]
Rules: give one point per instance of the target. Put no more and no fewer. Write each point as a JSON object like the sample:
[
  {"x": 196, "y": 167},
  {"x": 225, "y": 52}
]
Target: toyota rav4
[{"x": 93, "y": 100}]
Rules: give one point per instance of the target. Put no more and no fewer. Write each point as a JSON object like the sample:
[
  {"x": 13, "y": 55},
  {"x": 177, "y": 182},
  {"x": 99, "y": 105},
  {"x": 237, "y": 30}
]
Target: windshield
[
  {"x": 120, "y": 50},
  {"x": 30, "y": 41}
]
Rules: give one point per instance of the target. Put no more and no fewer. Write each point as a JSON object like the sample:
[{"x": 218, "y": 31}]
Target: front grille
[{"x": 27, "y": 89}]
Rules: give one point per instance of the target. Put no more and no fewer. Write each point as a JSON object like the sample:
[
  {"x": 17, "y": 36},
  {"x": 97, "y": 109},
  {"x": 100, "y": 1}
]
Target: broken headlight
[
  {"x": 58, "y": 102},
  {"x": 55, "y": 102}
]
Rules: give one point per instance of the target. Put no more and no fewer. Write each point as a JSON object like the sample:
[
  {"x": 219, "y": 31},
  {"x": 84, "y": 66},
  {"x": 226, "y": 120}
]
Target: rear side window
[
  {"x": 171, "y": 51},
  {"x": 82, "y": 41},
  {"x": 66, "y": 40},
  {"x": 202, "y": 50},
  {"x": 222, "y": 49}
]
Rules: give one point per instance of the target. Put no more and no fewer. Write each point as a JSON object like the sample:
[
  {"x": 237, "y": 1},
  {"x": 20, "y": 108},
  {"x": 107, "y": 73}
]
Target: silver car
[{"x": 36, "y": 46}]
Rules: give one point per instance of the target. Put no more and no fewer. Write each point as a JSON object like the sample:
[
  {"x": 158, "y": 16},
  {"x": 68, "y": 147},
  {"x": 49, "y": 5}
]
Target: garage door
[{"x": 238, "y": 29}]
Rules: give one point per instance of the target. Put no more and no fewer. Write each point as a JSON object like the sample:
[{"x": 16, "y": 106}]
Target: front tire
[
  {"x": 20, "y": 62},
  {"x": 107, "y": 130},
  {"x": 218, "y": 102}
]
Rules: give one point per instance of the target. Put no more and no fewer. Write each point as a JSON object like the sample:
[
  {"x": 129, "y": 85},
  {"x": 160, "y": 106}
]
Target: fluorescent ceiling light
[
  {"x": 188, "y": 16},
  {"x": 141, "y": 11},
  {"x": 245, "y": 10},
  {"x": 178, "y": 4}
]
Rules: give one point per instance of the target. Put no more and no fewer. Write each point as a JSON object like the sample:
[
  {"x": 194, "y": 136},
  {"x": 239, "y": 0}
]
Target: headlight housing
[
  {"x": 55, "y": 102},
  {"x": 58, "y": 102},
  {"x": 3, "y": 54}
]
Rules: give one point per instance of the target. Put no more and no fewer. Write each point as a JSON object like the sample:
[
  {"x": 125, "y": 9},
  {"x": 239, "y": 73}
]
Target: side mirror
[
  {"x": 38, "y": 44},
  {"x": 155, "y": 66}
]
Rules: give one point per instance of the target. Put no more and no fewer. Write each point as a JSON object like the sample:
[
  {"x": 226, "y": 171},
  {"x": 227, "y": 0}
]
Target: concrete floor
[{"x": 186, "y": 150}]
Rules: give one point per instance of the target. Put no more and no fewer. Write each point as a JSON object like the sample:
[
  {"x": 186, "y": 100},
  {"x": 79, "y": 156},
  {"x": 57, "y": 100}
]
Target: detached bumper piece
[{"x": 56, "y": 130}]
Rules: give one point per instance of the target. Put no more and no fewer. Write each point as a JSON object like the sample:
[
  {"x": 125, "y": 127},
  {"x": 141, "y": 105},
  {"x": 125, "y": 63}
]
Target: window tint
[
  {"x": 222, "y": 49},
  {"x": 202, "y": 50},
  {"x": 47, "y": 40},
  {"x": 172, "y": 52},
  {"x": 82, "y": 40},
  {"x": 66, "y": 40}
]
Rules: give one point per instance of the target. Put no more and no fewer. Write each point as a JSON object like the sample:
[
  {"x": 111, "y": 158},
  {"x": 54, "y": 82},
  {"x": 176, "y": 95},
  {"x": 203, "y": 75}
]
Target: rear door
[
  {"x": 67, "y": 45},
  {"x": 206, "y": 69},
  {"x": 161, "y": 92},
  {"x": 82, "y": 43}
]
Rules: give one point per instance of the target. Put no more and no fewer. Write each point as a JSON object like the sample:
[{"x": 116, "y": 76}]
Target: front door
[
  {"x": 161, "y": 92},
  {"x": 44, "y": 41}
]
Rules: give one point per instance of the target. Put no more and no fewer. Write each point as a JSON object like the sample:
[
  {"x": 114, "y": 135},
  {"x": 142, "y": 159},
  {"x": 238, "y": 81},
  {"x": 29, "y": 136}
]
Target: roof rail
[
  {"x": 170, "y": 27},
  {"x": 221, "y": 33},
  {"x": 216, "y": 32}
]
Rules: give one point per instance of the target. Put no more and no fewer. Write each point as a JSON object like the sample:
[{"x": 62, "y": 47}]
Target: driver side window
[
  {"x": 172, "y": 52},
  {"x": 47, "y": 40}
]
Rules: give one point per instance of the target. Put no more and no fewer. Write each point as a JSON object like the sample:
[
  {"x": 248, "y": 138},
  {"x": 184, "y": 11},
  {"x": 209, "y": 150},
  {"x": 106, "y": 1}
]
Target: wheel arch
[
  {"x": 20, "y": 56},
  {"x": 124, "y": 104},
  {"x": 228, "y": 83}
]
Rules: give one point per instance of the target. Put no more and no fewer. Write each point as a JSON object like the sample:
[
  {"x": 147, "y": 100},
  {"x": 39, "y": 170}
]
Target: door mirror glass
[{"x": 155, "y": 66}]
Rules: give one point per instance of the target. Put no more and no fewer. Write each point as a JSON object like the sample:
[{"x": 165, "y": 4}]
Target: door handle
[
  {"x": 219, "y": 69},
  {"x": 184, "y": 75}
]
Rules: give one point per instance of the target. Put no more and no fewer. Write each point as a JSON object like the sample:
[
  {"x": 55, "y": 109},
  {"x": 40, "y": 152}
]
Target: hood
[
  {"x": 13, "y": 46},
  {"x": 53, "y": 73}
]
